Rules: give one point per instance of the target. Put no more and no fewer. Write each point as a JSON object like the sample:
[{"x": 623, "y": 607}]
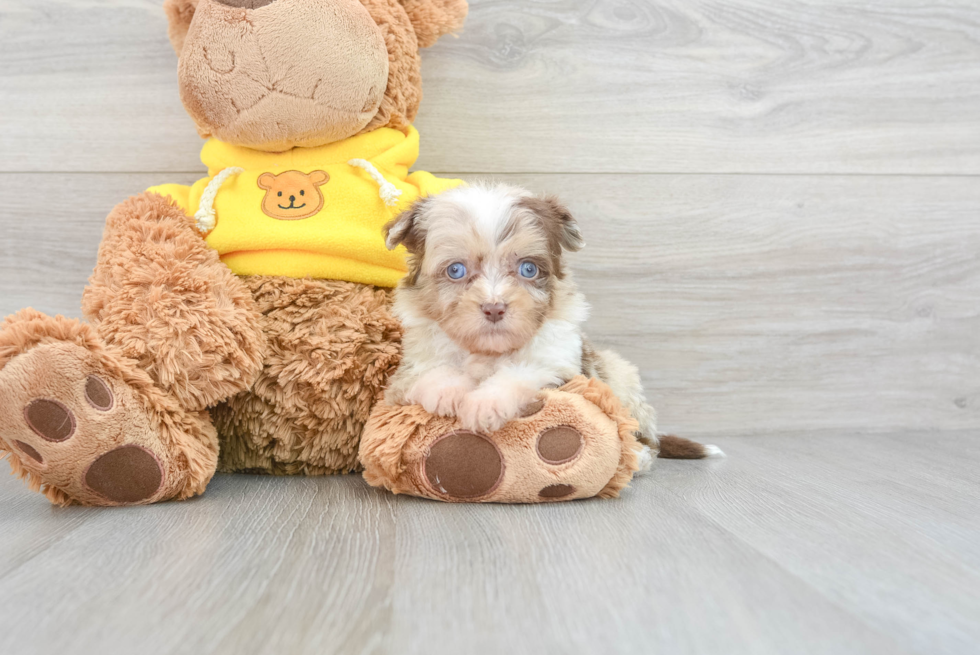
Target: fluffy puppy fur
[{"x": 492, "y": 316}]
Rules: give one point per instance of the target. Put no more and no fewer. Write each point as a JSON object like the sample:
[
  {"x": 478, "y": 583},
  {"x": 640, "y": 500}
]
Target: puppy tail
[
  {"x": 672, "y": 447},
  {"x": 624, "y": 379}
]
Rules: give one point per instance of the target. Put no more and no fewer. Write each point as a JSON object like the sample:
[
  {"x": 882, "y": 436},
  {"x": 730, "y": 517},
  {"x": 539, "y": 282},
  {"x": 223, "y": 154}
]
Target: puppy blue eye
[
  {"x": 528, "y": 269},
  {"x": 456, "y": 271}
]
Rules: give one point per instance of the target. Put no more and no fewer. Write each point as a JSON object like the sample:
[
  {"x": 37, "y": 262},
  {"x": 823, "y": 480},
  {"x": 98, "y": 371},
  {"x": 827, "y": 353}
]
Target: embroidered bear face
[{"x": 292, "y": 195}]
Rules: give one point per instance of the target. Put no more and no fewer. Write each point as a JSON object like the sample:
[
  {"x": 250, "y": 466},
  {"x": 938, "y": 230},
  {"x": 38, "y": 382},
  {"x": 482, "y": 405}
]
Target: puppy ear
[
  {"x": 569, "y": 233},
  {"x": 179, "y": 15},
  {"x": 559, "y": 224},
  {"x": 434, "y": 18},
  {"x": 406, "y": 229}
]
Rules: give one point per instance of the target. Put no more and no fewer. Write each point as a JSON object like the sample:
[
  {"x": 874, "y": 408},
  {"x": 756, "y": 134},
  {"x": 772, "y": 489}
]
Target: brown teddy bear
[{"x": 242, "y": 323}]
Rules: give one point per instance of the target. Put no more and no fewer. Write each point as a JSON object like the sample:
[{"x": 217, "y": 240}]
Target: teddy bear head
[{"x": 275, "y": 74}]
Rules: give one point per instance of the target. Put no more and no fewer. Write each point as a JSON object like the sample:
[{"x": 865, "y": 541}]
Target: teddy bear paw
[
  {"x": 557, "y": 450},
  {"x": 564, "y": 444},
  {"x": 77, "y": 429}
]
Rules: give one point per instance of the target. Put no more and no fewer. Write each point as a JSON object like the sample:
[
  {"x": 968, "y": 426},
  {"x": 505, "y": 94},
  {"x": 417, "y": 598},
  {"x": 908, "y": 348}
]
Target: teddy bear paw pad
[
  {"x": 127, "y": 474},
  {"x": 532, "y": 408},
  {"x": 553, "y": 491},
  {"x": 50, "y": 420},
  {"x": 29, "y": 450},
  {"x": 560, "y": 445},
  {"x": 98, "y": 394},
  {"x": 464, "y": 465}
]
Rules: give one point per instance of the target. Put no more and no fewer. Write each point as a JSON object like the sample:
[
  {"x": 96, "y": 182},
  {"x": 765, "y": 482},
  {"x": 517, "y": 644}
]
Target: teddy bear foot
[
  {"x": 77, "y": 430},
  {"x": 466, "y": 466},
  {"x": 574, "y": 443}
]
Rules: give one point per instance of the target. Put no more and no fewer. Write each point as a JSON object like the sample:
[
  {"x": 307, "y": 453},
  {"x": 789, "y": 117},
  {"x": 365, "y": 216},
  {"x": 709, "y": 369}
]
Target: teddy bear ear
[
  {"x": 434, "y": 18},
  {"x": 179, "y": 15},
  {"x": 266, "y": 180}
]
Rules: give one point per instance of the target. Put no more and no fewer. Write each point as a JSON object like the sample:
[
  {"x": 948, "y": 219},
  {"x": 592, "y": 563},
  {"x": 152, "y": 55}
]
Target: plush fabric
[
  {"x": 403, "y": 94},
  {"x": 332, "y": 346},
  {"x": 179, "y": 14},
  {"x": 256, "y": 234},
  {"x": 432, "y": 19},
  {"x": 164, "y": 299},
  {"x": 579, "y": 443},
  {"x": 241, "y": 82},
  {"x": 54, "y": 360}
]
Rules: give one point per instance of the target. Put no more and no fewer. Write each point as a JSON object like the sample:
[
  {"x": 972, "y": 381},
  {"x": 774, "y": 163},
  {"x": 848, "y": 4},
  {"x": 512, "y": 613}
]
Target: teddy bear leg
[
  {"x": 84, "y": 425},
  {"x": 332, "y": 346},
  {"x": 163, "y": 297},
  {"x": 566, "y": 446}
]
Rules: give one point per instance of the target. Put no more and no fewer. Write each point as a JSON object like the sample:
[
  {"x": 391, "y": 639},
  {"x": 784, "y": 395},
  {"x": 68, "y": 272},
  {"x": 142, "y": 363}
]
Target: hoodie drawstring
[
  {"x": 205, "y": 216},
  {"x": 388, "y": 191}
]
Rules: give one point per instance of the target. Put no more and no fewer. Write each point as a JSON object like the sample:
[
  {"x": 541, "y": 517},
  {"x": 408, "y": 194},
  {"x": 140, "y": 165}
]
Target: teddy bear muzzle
[
  {"x": 239, "y": 78},
  {"x": 246, "y": 4}
]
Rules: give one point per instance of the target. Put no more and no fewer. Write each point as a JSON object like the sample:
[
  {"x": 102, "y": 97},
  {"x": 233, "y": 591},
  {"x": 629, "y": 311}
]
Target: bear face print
[{"x": 292, "y": 195}]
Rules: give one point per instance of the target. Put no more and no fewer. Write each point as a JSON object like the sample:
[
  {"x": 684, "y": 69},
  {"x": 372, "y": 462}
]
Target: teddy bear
[{"x": 243, "y": 323}]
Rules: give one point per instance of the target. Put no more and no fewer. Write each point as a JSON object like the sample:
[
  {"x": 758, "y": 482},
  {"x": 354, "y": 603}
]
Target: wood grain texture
[
  {"x": 806, "y": 318},
  {"x": 49, "y": 248},
  {"x": 908, "y": 498},
  {"x": 781, "y": 302},
  {"x": 751, "y": 303},
  {"x": 802, "y": 543},
  {"x": 824, "y": 86}
]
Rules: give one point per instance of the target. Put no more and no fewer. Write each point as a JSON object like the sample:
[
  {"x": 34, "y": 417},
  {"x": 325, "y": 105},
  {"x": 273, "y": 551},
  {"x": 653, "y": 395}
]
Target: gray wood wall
[{"x": 781, "y": 199}]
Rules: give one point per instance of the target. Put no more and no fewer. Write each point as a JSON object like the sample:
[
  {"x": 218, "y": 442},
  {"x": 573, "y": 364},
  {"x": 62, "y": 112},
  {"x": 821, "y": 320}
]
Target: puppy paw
[
  {"x": 488, "y": 409},
  {"x": 440, "y": 394},
  {"x": 441, "y": 401}
]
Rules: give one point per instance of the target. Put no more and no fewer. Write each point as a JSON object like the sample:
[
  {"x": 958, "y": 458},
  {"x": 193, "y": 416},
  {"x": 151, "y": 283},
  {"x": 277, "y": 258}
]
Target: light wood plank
[
  {"x": 641, "y": 575},
  {"x": 803, "y": 542},
  {"x": 751, "y": 304},
  {"x": 886, "y": 528},
  {"x": 257, "y": 565},
  {"x": 331, "y": 566},
  {"x": 47, "y": 253},
  {"x": 773, "y": 303},
  {"x": 825, "y": 86},
  {"x": 551, "y": 86}
]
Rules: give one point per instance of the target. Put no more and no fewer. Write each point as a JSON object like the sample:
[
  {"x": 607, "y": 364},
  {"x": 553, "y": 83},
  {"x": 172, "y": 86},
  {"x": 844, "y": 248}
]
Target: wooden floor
[
  {"x": 798, "y": 543},
  {"x": 781, "y": 201}
]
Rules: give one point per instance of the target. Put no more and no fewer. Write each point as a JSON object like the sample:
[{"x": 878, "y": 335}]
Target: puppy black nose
[{"x": 494, "y": 312}]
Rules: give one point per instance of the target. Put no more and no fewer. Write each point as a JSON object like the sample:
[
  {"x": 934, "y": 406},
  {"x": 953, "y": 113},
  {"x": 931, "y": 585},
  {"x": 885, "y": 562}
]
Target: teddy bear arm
[{"x": 163, "y": 296}]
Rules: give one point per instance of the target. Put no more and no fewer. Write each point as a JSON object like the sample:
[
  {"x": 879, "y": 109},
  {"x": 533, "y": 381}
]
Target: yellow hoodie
[{"x": 309, "y": 212}]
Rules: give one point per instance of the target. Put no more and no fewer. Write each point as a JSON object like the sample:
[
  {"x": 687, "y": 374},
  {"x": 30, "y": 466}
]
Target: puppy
[{"x": 491, "y": 314}]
